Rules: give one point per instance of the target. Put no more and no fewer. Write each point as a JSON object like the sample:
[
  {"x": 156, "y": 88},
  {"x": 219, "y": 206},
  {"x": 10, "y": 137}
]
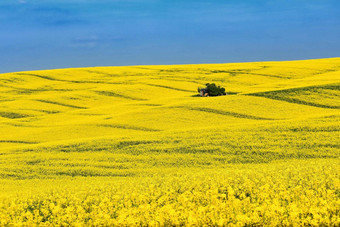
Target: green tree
[{"x": 214, "y": 90}]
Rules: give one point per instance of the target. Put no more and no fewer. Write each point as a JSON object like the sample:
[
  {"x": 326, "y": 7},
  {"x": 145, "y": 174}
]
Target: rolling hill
[{"x": 101, "y": 132}]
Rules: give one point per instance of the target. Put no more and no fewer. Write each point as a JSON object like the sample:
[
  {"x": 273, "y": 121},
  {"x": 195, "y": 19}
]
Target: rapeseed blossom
[{"x": 128, "y": 146}]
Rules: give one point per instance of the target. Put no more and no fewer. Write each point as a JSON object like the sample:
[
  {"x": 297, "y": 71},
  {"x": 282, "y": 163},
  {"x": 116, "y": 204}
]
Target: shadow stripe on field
[
  {"x": 60, "y": 104},
  {"x": 17, "y": 141},
  {"x": 168, "y": 87},
  {"x": 113, "y": 94},
  {"x": 12, "y": 115},
  {"x": 291, "y": 95},
  {"x": 222, "y": 112},
  {"x": 121, "y": 126},
  {"x": 69, "y": 81}
]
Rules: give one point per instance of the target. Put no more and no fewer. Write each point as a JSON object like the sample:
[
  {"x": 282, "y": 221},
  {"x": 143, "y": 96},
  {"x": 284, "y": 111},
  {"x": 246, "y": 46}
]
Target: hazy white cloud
[
  {"x": 94, "y": 40},
  {"x": 86, "y": 41}
]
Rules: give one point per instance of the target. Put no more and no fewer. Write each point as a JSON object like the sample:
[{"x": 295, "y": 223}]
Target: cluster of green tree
[{"x": 212, "y": 90}]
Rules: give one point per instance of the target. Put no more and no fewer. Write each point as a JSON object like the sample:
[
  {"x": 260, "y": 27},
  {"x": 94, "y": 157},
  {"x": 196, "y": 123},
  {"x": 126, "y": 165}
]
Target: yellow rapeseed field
[{"x": 136, "y": 146}]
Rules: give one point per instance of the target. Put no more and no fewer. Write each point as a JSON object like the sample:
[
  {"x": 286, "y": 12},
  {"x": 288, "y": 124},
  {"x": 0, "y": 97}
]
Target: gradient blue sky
[{"x": 43, "y": 34}]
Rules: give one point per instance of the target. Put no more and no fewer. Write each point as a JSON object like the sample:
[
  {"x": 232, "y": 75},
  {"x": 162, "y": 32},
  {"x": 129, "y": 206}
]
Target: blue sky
[{"x": 46, "y": 34}]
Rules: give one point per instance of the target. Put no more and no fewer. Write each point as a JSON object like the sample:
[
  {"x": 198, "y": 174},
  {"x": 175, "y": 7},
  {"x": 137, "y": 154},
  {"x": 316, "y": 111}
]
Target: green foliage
[{"x": 213, "y": 90}]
